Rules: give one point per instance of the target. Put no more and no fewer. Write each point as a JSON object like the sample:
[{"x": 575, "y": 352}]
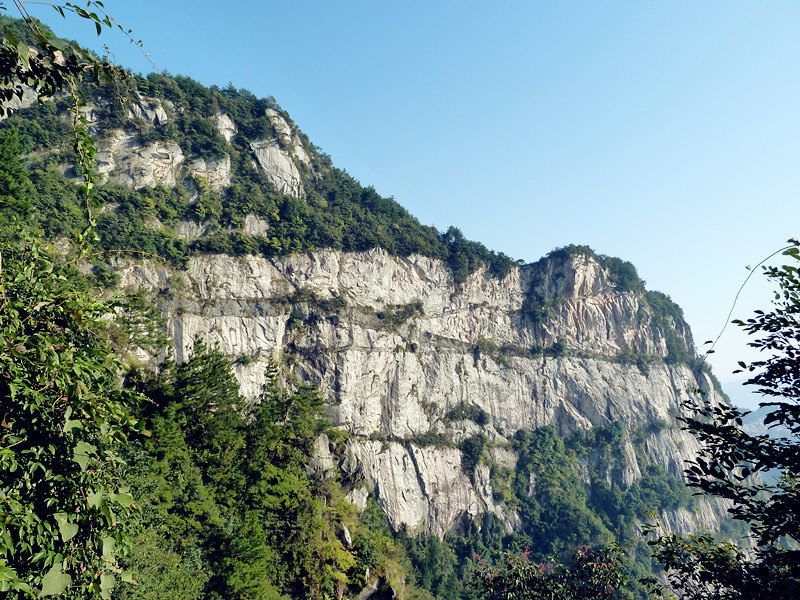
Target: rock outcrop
[
  {"x": 123, "y": 159},
  {"x": 398, "y": 347},
  {"x": 225, "y": 126},
  {"x": 278, "y": 166},
  {"x": 288, "y": 136},
  {"x": 391, "y": 383},
  {"x": 150, "y": 110},
  {"x": 216, "y": 172}
]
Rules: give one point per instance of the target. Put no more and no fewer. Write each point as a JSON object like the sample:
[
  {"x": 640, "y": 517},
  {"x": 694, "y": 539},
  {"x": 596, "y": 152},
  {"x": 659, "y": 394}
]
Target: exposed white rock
[
  {"x": 631, "y": 472},
  {"x": 282, "y": 128},
  {"x": 190, "y": 230},
  {"x": 288, "y": 136},
  {"x": 225, "y": 126},
  {"x": 389, "y": 385},
  {"x": 424, "y": 488},
  {"x": 394, "y": 384},
  {"x": 149, "y": 109},
  {"x": 358, "y": 497},
  {"x": 254, "y": 225},
  {"x": 216, "y": 171},
  {"x": 278, "y": 166},
  {"x": 321, "y": 460},
  {"x": 704, "y": 518},
  {"x": 27, "y": 100},
  {"x": 122, "y": 159}
]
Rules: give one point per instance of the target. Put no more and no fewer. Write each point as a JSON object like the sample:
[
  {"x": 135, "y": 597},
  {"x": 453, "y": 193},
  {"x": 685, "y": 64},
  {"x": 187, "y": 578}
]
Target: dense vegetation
[
  {"x": 64, "y": 513},
  {"x": 586, "y": 574}
]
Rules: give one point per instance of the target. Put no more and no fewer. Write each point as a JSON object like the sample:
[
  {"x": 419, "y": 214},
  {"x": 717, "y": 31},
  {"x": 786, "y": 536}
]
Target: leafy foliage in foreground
[{"x": 64, "y": 513}]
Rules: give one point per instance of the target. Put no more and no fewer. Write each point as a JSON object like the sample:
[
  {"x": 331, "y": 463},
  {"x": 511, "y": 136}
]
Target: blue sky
[{"x": 664, "y": 133}]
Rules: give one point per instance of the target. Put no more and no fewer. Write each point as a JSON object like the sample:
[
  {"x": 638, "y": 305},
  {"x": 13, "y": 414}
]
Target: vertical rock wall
[{"x": 392, "y": 382}]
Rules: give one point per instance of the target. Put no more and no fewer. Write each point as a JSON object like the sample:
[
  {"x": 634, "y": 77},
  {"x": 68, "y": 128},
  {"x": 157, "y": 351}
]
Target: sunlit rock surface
[{"x": 388, "y": 385}]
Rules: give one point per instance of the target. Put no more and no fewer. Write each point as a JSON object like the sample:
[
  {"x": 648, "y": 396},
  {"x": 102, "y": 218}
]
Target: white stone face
[
  {"x": 27, "y": 100},
  {"x": 122, "y": 159},
  {"x": 225, "y": 126},
  {"x": 387, "y": 386},
  {"x": 254, "y": 225},
  {"x": 279, "y": 167},
  {"x": 217, "y": 172},
  {"x": 149, "y": 109},
  {"x": 189, "y": 230},
  {"x": 289, "y": 137}
]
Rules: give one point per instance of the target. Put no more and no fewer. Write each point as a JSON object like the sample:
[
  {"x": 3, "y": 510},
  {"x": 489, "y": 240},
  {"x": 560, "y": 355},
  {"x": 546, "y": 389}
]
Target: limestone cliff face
[
  {"x": 123, "y": 158},
  {"x": 396, "y": 345}
]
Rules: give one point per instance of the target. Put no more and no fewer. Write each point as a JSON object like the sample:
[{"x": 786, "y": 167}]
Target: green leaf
[
  {"x": 107, "y": 582},
  {"x": 82, "y": 453},
  {"x": 123, "y": 499},
  {"x": 72, "y": 424},
  {"x": 93, "y": 499},
  {"x": 68, "y": 530},
  {"x": 55, "y": 581},
  {"x": 792, "y": 252},
  {"x": 127, "y": 577},
  {"x": 8, "y": 544},
  {"x": 109, "y": 547},
  {"x": 11, "y": 39},
  {"x": 22, "y": 52}
]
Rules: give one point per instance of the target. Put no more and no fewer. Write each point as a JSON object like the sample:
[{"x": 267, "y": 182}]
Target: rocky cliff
[
  {"x": 397, "y": 346},
  {"x": 415, "y": 361}
]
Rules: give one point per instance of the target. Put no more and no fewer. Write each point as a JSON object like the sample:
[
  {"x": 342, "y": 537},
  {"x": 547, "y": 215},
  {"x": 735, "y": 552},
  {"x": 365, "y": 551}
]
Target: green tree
[
  {"x": 230, "y": 506},
  {"x": 731, "y": 460},
  {"x": 187, "y": 477},
  {"x": 303, "y": 513}
]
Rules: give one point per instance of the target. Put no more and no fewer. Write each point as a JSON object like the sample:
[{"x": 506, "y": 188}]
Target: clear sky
[{"x": 666, "y": 133}]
